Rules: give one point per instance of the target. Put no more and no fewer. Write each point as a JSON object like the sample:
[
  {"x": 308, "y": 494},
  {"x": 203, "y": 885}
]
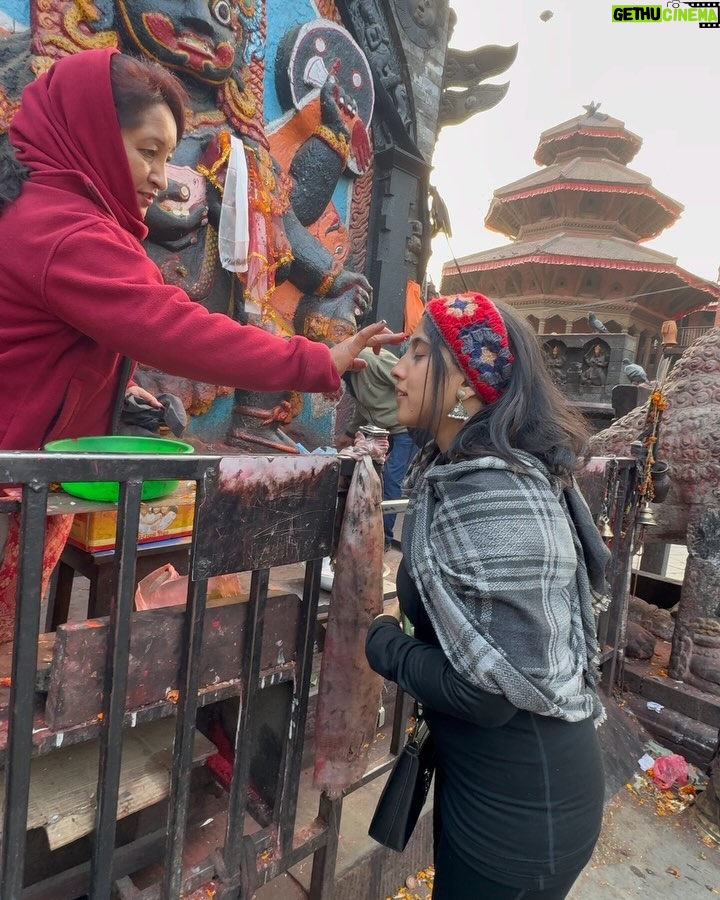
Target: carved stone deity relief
[
  {"x": 217, "y": 48},
  {"x": 555, "y": 353},
  {"x": 593, "y": 372},
  {"x": 374, "y": 29},
  {"x": 422, "y": 20},
  {"x": 308, "y": 56}
]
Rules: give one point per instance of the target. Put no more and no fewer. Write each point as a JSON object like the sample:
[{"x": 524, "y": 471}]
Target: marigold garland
[{"x": 650, "y": 434}]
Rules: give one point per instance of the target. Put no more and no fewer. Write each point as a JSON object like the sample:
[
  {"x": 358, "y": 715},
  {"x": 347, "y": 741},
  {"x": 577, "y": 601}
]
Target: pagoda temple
[{"x": 578, "y": 228}]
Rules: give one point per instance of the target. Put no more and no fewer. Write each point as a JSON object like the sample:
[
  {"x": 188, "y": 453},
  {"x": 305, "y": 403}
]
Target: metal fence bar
[
  {"x": 115, "y": 687},
  {"x": 237, "y": 802},
  {"x": 322, "y": 878},
  {"x": 286, "y": 808},
  {"x": 17, "y": 467},
  {"x": 22, "y": 688},
  {"x": 185, "y": 726}
]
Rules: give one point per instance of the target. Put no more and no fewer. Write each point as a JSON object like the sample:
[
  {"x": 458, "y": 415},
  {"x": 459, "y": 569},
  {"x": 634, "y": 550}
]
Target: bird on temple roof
[
  {"x": 595, "y": 323},
  {"x": 635, "y": 373},
  {"x": 592, "y": 110}
]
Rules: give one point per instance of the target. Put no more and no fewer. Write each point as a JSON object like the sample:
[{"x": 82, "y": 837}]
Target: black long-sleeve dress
[{"x": 518, "y": 796}]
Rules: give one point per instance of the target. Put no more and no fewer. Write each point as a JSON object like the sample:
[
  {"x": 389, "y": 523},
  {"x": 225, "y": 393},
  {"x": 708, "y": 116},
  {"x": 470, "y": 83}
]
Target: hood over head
[{"x": 67, "y": 124}]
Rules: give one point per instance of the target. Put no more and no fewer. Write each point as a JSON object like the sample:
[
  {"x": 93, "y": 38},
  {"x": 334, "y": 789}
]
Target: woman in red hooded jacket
[{"x": 78, "y": 293}]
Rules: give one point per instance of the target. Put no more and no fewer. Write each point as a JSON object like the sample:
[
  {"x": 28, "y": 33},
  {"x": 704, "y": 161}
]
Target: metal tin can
[{"x": 372, "y": 431}]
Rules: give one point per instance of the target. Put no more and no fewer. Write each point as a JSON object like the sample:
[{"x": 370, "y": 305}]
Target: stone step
[
  {"x": 690, "y": 701},
  {"x": 689, "y": 719},
  {"x": 675, "y": 731}
]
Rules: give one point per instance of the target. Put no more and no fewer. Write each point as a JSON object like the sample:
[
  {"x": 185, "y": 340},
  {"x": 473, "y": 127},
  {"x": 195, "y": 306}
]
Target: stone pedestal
[
  {"x": 626, "y": 397},
  {"x": 655, "y": 558}
]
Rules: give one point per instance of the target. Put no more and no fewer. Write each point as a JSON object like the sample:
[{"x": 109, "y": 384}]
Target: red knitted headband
[{"x": 476, "y": 336}]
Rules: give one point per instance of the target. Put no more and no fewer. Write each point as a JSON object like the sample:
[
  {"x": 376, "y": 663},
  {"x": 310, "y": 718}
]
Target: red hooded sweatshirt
[{"x": 78, "y": 292}]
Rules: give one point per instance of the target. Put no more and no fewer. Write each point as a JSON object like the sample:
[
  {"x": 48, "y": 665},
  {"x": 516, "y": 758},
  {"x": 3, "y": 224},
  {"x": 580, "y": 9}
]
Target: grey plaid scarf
[{"x": 500, "y": 565}]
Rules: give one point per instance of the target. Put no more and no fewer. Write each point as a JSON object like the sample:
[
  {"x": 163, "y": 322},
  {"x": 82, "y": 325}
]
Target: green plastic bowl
[{"x": 109, "y": 491}]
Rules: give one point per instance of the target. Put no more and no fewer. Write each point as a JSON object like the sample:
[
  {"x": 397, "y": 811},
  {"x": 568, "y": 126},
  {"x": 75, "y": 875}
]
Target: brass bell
[
  {"x": 645, "y": 516},
  {"x": 604, "y": 527}
]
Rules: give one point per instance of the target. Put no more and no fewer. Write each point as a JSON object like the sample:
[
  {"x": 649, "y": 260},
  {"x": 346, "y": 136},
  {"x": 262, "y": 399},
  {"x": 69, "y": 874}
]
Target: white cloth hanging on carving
[{"x": 234, "y": 229}]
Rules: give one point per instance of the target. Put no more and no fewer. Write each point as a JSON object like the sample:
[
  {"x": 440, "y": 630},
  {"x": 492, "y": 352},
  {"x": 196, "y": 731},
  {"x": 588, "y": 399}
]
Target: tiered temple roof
[{"x": 577, "y": 226}]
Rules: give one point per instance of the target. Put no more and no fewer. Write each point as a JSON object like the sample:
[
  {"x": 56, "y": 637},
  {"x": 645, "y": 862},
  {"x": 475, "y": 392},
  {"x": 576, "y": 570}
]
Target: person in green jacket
[{"x": 373, "y": 390}]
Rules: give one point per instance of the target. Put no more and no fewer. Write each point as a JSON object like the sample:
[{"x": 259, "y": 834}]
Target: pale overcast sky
[{"x": 661, "y": 79}]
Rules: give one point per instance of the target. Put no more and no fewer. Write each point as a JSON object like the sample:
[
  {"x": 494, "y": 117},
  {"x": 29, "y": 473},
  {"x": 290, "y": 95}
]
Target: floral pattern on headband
[
  {"x": 485, "y": 353},
  {"x": 474, "y": 331},
  {"x": 461, "y": 306}
]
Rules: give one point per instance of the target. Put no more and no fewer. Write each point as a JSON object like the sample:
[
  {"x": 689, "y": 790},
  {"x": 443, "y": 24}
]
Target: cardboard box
[{"x": 161, "y": 519}]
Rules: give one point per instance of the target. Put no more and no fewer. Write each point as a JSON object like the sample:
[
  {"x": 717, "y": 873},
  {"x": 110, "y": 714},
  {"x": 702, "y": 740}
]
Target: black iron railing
[
  {"x": 687, "y": 336},
  {"x": 249, "y": 517},
  {"x": 223, "y": 541}
]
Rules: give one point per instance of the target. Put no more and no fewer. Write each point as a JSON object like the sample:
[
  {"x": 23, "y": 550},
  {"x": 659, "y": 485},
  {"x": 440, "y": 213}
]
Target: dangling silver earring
[{"x": 458, "y": 412}]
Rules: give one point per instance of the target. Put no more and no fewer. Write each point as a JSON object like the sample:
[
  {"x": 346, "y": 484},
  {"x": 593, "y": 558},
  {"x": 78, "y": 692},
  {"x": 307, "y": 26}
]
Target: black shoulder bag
[{"x": 405, "y": 790}]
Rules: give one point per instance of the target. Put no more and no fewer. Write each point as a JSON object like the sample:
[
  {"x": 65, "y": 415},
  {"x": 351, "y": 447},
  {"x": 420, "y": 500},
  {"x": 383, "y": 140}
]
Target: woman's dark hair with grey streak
[
  {"x": 138, "y": 84},
  {"x": 531, "y": 414}
]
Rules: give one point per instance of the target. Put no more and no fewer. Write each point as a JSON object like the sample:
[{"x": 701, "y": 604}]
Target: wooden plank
[
  {"x": 63, "y": 784},
  {"x": 45, "y": 740},
  {"x": 266, "y": 512},
  {"x": 75, "y": 691}
]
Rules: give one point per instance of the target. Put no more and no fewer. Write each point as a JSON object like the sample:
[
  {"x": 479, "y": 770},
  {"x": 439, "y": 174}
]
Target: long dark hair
[
  {"x": 138, "y": 84},
  {"x": 531, "y": 415}
]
